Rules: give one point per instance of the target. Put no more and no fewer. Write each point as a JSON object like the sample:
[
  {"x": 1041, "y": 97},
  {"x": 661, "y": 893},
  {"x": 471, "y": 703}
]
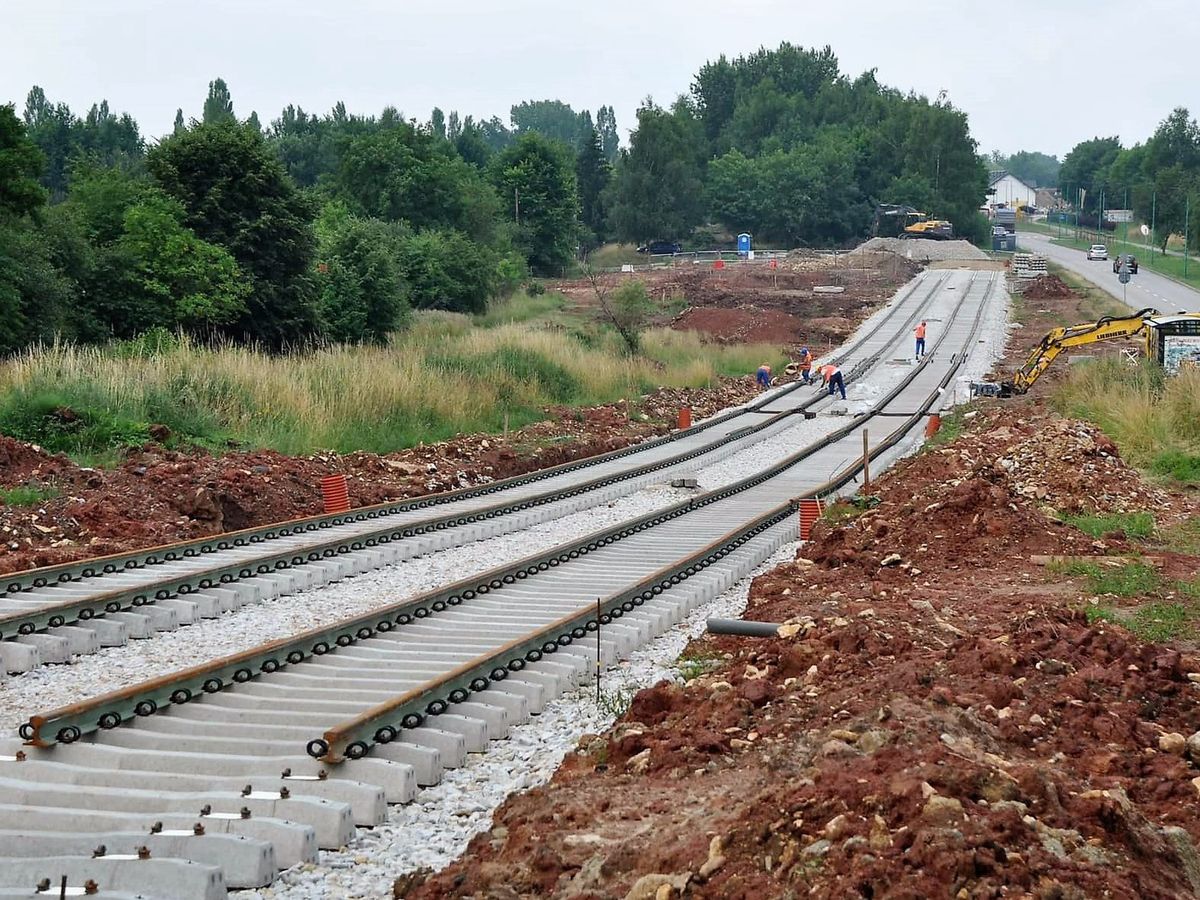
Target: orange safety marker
[
  {"x": 719, "y": 264},
  {"x": 810, "y": 511},
  {"x": 932, "y": 426},
  {"x": 685, "y": 418},
  {"x": 335, "y": 493}
]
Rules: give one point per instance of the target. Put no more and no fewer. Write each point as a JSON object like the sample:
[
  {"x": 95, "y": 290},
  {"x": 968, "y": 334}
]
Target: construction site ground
[
  {"x": 63, "y": 512},
  {"x": 952, "y": 710},
  {"x": 754, "y": 302}
]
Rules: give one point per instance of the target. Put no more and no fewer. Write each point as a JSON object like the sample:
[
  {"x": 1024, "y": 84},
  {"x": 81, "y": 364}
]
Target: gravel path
[{"x": 437, "y": 826}]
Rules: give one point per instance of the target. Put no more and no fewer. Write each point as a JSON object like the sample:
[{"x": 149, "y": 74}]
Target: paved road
[{"x": 1146, "y": 289}]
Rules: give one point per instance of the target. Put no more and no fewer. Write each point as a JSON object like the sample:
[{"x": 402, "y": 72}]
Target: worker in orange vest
[
  {"x": 920, "y": 332},
  {"x": 831, "y": 375},
  {"x": 806, "y": 364}
]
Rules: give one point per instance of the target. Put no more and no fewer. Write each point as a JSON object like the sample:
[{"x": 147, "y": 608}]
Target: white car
[{"x": 1097, "y": 251}]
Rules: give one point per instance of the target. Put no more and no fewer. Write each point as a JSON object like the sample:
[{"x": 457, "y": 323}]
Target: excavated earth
[
  {"x": 940, "y": 717},
  {"x": 941, "y": 721},
  {"x": 157, "y": 496}
]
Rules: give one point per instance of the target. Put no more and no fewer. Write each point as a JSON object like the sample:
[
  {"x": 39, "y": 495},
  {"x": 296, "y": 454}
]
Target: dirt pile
[
  {"x": 1046, "y": 288},
  {"x": 940, "y": 720},
  {"x": 922, "y": 249},
  {"x": 157, "y": 496},
  {"x": 996, "y": 489}
]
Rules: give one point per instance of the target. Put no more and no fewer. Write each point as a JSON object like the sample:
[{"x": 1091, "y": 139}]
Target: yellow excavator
[
  {"x": 916, "y": 223},
  {"x": 1170, "y": 341}
]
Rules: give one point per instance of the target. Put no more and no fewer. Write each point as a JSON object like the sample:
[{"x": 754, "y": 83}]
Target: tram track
[
  {"x": 385, "y": 709},
  {"x": 51, "y": 614}
]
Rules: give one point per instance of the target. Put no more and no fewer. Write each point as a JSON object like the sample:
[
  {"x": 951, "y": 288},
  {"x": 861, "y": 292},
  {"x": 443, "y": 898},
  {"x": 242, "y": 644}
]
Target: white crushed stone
[
  {"x": 436, "y": 827},
  {"x": 921, "y": 249}
]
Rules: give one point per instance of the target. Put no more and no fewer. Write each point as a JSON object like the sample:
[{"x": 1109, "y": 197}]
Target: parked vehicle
[
  {"x": 657, "y": 248},
  {"x": 1129, "y": 258},
  {"x": 1097, "y": 251}
]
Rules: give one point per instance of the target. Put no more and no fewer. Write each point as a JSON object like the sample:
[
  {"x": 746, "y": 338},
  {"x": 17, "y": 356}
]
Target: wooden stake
[{"x": 866, "y": 461}]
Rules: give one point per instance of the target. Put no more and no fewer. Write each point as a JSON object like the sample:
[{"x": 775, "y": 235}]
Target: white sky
[{"x": 1032, "y": 74}]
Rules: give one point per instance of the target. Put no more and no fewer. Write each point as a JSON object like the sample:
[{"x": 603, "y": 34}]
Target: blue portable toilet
[{"x": 744, "y": 244}]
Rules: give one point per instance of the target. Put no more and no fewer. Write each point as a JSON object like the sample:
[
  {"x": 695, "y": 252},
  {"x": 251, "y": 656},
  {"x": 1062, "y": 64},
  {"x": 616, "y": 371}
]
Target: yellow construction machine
[
  {"x": 1170, "y": 341},
  {"x": 916, "y": 223}
]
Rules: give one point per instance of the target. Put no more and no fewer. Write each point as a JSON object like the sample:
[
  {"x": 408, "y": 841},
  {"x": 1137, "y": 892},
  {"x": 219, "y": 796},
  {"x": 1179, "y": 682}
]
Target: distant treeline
[{"x": 332, "y": 227}]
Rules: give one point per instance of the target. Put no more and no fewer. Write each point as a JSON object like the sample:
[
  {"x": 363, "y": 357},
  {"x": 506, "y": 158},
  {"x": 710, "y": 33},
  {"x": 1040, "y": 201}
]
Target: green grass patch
[
  {"x": 1134, "y": 525},
  {"x": 27, "y": 495},
  {"x": 1156, "y": 622},
  {"x": 1129, "y": 580},
  {"x": 1176, "y": 464},
  {"x": 694, "y": 663},
  {"x": 1184, "y": 537},
  {"x": 521, "y": 307},
  {"x": 950, "y": 429}
]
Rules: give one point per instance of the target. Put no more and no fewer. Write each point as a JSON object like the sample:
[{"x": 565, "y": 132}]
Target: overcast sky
[{"x": 1032, "y": 74}]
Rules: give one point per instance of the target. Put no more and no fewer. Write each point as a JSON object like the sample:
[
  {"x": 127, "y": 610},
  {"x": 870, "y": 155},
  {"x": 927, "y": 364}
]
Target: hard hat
[{"x": 803, "y": 349}]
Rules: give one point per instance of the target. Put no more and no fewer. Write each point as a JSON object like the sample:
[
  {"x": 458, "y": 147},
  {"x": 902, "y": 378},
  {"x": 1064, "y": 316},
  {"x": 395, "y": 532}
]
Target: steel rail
[
  {"x": 110, "y": 710},
  {"x": 383, "y": 723},
  {"x": 53, "y": 615}
]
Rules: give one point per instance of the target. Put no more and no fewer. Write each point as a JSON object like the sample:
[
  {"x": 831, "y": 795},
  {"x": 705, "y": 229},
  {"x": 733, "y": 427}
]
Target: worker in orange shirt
[
  {"x": 920, "y": 332},
  {"x": 763, "y": 376},
  {"x": 831, "y": 376},
  {"x": 806, "y": 364}
]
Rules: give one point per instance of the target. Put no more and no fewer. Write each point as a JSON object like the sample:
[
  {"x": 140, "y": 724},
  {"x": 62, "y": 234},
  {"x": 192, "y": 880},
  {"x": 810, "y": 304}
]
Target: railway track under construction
[
  {"x": 219, "y": 775},
  {"x": 51, "y": 614}
]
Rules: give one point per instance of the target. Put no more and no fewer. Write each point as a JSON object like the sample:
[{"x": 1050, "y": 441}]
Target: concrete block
[
  {"x": 451, "y": 746},
  {"x": 150, "y": 877},
  {"x": 16, "y": 657},
  {"x": 111, "y": 632},
  {"x": 140, "y": 626},
  {"x": 52, "y": 649},
  {"x": 82, "y": 641}
]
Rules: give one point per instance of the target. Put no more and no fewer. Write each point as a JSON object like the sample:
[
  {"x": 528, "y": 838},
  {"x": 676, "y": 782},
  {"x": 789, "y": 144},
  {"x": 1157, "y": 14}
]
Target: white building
[{"x": 1009, "y": 191}]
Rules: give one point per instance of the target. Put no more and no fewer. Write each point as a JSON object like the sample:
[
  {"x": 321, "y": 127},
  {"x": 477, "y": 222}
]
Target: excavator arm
[{"x": 1110, "y": 328}]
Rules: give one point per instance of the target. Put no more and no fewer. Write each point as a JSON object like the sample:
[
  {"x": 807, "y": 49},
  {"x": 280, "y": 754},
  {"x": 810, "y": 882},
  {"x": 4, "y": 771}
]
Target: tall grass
[
  {"x": 1154, "y": 420},
  {"x": 442, "y": 377}
]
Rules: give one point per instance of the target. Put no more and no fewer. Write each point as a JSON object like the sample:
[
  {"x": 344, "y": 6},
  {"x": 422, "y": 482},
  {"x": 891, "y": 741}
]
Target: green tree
[
  {"x": 1032, "y": 167},
  {"x": 400, "y": 174},
  {"x": 538, "y": 174},
  {"x": 180, "y": 125},
  {"x": 1085, "y": 168},
  {"x": 362, "y": 297},
  {"x": 592, "y": 175},
  {"x": 447, "y": 270},
  {"x": 549, "y": 118},
  {"x": 33, "y": 292},
  {"x": 20, "y": 165},
  {"x": 437, "y": 123},
  {"x": 218, "y": 105},
  {"x": 236, "y": 194},
  {"x": 169, "y": 277},
  {"x": 658, "y": 186},
  {"x": 610, "y": 139}
]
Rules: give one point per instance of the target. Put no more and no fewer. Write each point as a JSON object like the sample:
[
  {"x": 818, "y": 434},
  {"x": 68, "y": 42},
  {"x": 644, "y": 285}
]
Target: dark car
[
  {"x": 1128, "y": 257},
  {"x": 658, "y": 248}
]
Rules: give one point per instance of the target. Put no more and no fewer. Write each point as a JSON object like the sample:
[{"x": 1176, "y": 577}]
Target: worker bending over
[
  {"x": 763, "y": 376},
  {"x": 831, "y": 376},
  {"x": 920, "y": 332},
  {"x": 806, "y": 364}
]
